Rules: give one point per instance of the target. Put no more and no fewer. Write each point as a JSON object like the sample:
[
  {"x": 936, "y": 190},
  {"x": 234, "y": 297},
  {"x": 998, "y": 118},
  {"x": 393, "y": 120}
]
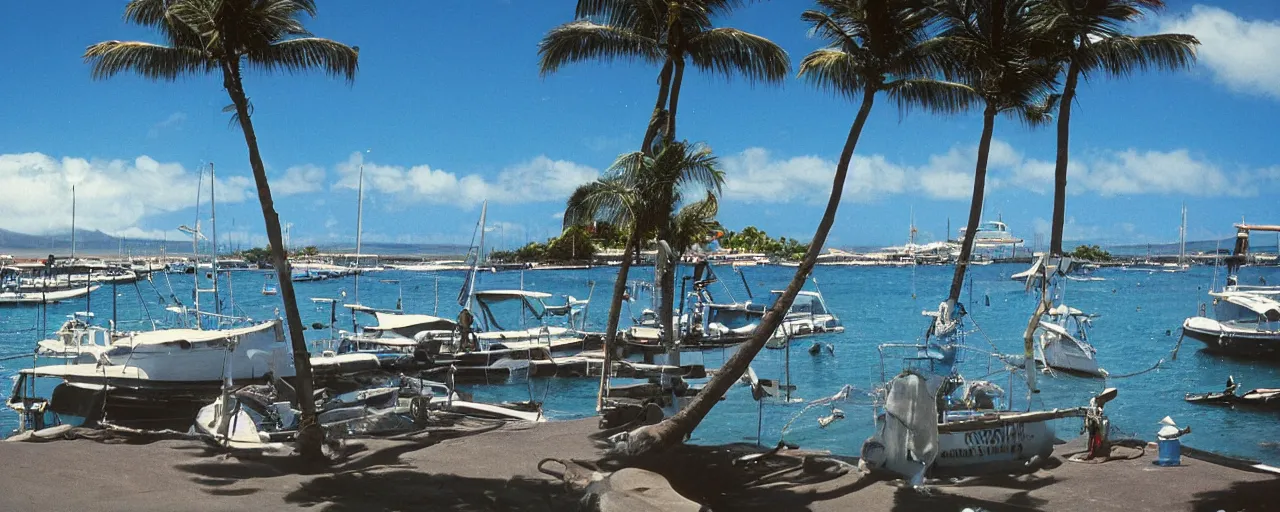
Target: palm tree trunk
[
  {"x": 615, "y": 311},
  {"x": 309, "y": 434},
  {"x": 1060, "y": 169},
  {"x": 668, "y": 302},
  {"x": 655, "y": 121},
  {"x": 975, "y": 206},
  {"x": 675, "y": 98},
  {"x": 674, "y": 430}
]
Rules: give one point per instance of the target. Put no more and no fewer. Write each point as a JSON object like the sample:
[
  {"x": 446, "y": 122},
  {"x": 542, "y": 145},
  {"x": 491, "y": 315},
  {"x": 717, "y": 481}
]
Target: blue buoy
[{"x": 1170, "y": 452}]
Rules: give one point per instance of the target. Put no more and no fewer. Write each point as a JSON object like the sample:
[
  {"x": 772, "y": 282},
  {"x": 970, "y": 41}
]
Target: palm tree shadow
[
  {"x": 907, "y": 499},
  {"x": 1240, "y": 496},
  {"x": 403, "y": 489}
]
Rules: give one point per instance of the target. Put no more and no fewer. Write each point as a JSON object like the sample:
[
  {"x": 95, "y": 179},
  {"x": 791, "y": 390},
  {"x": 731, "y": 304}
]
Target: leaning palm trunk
[
  {"x": 975, "y": 207},
  {"x": 657, "y": 118},
  {"x": 310, "y": 436},
  {"x": 675, "y": 429},
  {"x": 1060, "y": 169},
  {"x": 668, "y": 302},
  {"x": 615, "y": 311}
]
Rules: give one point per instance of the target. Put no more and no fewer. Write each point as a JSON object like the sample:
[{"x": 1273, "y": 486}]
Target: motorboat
[
  {"x": 1063, "y": 342},
  {"x": 1244, "y": 324},
  {"x": 1246, "y": 319},
  {"x": 808, "y": 316},
  {"x": 992, "y": 234}
]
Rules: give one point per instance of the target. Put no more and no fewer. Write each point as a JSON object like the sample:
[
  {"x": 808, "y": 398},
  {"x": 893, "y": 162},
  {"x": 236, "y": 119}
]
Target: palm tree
[
  {"x": 209, "y": 36},
  {"x": 1089, "y": 37},
  {"x": 642, "y": 192},
  {"x": 669, "y": 32},
  {"x": 993, "y": 47},
  {"x": 874, "y": 46}
]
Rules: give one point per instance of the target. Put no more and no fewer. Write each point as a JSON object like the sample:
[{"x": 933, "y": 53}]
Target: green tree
[
  {"x": 1091, "y": 253},
  {"x": 574, "y": 244},
  {"x": 643, "y": 192},
  {"x": 874, "y": 47},
  {"x": 1089, "y": 38},
  {"x": 203, "y": 37}
]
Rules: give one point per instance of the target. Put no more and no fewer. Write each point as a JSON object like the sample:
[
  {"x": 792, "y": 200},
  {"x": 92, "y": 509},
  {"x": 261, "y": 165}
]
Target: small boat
[
  {"x": 1064, "y": 342},
  {"x": 45, "y": 297},
  {"x": 268, "y": 286},
  {"x": 1264, "y": 398}
]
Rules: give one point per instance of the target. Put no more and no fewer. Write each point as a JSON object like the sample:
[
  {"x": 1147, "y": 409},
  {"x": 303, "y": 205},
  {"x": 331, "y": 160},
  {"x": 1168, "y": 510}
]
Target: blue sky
[{"x": 448, "y": 109}]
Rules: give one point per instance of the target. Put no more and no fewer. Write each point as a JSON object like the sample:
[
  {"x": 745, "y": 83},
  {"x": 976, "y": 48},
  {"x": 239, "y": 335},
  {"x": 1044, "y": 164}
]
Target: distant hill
[
  {"x": 87, "y": 242},
  {"x": 99, "y": 243}
]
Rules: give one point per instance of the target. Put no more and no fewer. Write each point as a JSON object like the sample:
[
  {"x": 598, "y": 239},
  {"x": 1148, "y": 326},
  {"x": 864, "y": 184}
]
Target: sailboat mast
[
  {"x": 475, "y": 265},
  {"x": 195, "y": 250},
  {"x": 1182, "y": 237},
  {"x": 359, "y": 229},
  {"x": 213, "y": 221},
  {"x": 73, "y": 222}
]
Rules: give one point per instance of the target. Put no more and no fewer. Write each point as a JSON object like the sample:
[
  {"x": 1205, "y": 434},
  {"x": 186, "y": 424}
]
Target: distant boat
[
  {"x": 268, "y": 288},
  {"x": 992, "y": 234}
]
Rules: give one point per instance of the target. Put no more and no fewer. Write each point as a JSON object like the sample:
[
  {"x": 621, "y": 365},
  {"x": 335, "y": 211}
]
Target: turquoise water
[{"x": 1141, "y": 314}]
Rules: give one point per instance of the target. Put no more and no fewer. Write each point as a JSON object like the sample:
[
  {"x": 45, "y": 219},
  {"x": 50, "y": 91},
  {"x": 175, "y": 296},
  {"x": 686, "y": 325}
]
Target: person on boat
[{"x": 466, "y": 343}]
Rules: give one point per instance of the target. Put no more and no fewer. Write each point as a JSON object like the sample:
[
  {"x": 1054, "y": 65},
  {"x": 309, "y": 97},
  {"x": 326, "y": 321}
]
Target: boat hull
[
  {"x": 1228, "y": 340},
  {"x": 1005, "y": 448},
  {"x": 1066, "y": 355}
]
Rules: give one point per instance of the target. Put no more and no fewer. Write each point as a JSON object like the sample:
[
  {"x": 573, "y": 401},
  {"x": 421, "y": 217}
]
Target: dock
[{"x": 498, "y": 470}]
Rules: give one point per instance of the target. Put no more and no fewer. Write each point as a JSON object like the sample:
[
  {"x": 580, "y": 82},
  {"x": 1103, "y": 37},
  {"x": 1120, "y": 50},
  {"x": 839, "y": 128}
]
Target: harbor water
[{"x": 1140, "y": 315}]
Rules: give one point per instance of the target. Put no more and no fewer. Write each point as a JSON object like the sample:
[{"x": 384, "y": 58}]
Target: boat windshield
[
  {"x": 804, "y": 304},
  {"x": 506, "y": 312}
]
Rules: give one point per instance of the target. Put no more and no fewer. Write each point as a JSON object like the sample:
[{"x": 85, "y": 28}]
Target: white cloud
[
  {"x": 1135, "y": 172},
  {"x": 299, "y": 179},
  {"x": 537, "y": 180},
  {"x": 753, "y": 175},
  {"x": 1240, "y": 53},
  {"x": 111, "y": 195}
]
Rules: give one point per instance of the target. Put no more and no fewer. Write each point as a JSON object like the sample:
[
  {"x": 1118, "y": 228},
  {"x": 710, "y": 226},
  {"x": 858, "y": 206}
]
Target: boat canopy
[
  {"x": 498, "y": 295},
  {"x": 164, "y": 336},
  {"x": 410, "y": 324},
  {"x": 1263, "y": 306}
]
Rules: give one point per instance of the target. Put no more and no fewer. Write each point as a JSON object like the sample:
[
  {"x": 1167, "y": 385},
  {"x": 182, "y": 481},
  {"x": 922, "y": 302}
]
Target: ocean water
[{"x": 1139, "y": 325}]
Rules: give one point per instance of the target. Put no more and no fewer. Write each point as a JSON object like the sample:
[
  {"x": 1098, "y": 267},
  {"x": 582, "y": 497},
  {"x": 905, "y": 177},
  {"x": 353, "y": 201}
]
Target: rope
[
  {"x": 984, "y": 334},
  {"x": 1173, "y": 356}
]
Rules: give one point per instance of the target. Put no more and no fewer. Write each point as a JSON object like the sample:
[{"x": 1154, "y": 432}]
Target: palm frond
[
  {"x": 606, "y": 200},
  {"x": 693, "y": 222},
  {"x": 730, "y": 52},
  {"x": 835, "y": 70},
  {"x": 307, "y": 53},
  {"x": 1122, "y": 55},
  {"x": 937, "y": 96},
  {"x": 148, "y": 60},
  {"x": 585, "y": 40},
  {"x": 1038, "y": 113}
]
